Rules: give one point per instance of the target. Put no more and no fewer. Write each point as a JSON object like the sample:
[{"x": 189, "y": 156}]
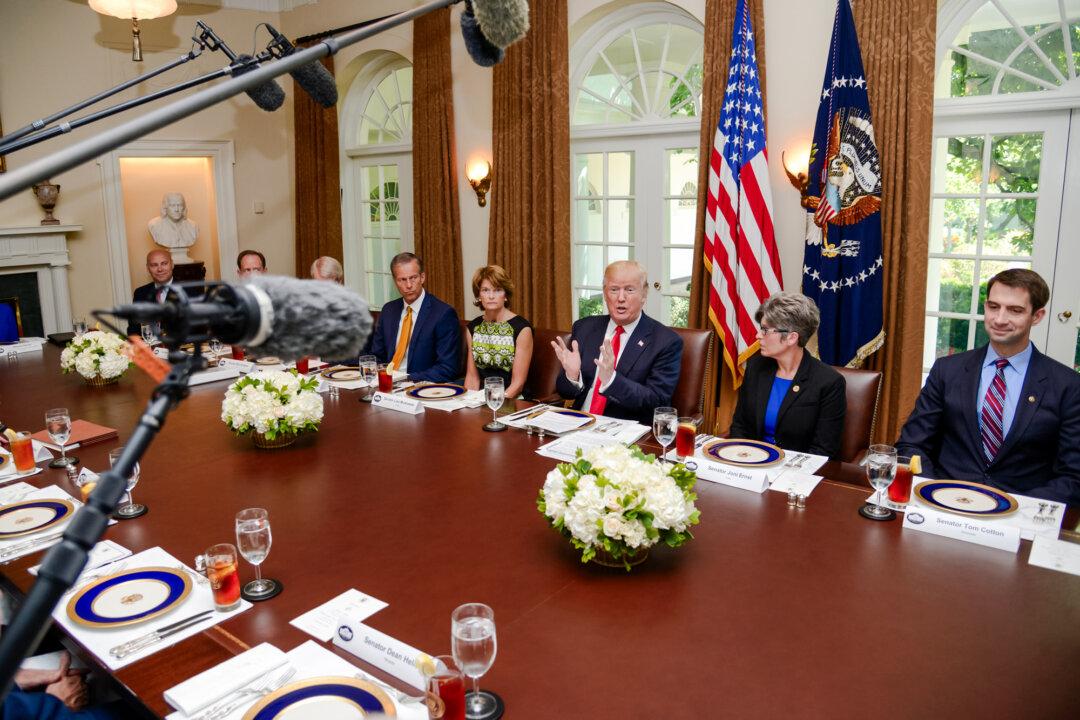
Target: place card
[
  {"x": 1055, "y": 554},
  {"x": 400, "y": 403},
  {"x": 213, "y": 375},
  {"x": 384, "y": 652},
  {"x": 321, "y": 621},
  {"x": 959, "y": 527},
  {"x": 754, "y": 479},
  {"x": 243, "y": 366}
]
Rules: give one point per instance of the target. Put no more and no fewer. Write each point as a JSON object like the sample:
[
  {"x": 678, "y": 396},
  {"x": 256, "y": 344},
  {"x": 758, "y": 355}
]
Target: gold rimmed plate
[
  {"x": 963, "y": 497},
  {"x": 271, "y": 360},
  {"x": 435, "y": 391},
  {"x": 744, "y": 453},
  {"x": 342, "y": 372},
  {"x": 31, "y": 516},
  {"x": 129, "y": 597},
  {"x": 4, "y": 460},
  {"x": 341, "y": 698}
]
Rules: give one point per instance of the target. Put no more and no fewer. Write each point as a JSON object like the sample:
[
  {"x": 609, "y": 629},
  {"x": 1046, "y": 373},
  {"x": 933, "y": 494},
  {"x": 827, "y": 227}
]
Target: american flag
[{"x": 739, "y": 248}]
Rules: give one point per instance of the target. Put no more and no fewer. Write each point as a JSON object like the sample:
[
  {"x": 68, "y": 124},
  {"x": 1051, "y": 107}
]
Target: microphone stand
[
  {"x": 19, "y": 179},
  {"x": 66, "y": 561}
]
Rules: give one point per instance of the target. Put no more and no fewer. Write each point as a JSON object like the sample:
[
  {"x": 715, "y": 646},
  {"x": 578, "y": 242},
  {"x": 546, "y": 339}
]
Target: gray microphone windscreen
[
  {"x": 269, "y": 96},
  {"x": 503, "y": 22},
  {"x": 480, "y": 49},
  {"x": 317, "y": 82},
  {"x": 313, "y": 318}
]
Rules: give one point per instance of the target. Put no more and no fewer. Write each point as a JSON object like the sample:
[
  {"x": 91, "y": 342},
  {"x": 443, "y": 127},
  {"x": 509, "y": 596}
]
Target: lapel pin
[
  {"x": 641, "y": 343},
  {"x": 794, "y": 388},
  {"x": 1031, "y": 398}
]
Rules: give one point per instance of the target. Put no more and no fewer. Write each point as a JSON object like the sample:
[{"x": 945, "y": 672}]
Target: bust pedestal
[{"x": 189, "y": 272}]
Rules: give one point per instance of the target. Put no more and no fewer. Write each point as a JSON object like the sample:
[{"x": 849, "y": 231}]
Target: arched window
[
  {"x": 1006, "y": 155},
  {"x": 376, "y": 130},
  {"x": 636, "y": 103}
]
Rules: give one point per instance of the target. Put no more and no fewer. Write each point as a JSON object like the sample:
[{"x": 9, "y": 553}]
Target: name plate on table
[
  {"x": 397, "y": 402},
  {"x": 384, "y": 652},
  {"x": 742, "y": 478},
  {"x": 244, "y": 366},
  {"x": 213, "y": 375},
  {"x": 973, "y": 530}
]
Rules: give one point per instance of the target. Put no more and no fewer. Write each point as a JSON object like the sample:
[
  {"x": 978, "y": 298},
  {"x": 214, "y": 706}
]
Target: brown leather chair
[
  {"x": 697, "y": 362},
  {"x": 544, "y": 367},
  {"x": 863, "y": 390}
]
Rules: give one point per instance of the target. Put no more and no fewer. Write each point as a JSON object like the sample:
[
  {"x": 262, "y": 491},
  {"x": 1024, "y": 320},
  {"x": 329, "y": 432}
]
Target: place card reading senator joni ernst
[{"x": 755, "y": 479}]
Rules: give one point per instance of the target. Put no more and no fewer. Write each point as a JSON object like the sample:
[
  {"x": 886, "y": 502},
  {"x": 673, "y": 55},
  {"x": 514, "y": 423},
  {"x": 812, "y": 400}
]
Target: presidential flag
[
  {"x": 842, "y": 265},
  {"x": 739, "y": 249}
]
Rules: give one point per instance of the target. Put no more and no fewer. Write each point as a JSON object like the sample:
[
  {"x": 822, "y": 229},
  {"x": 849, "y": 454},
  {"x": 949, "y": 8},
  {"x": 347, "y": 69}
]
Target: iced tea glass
[
  {"x": 685, "y": 438},
  {"x": 22, "y": 450},
  {"x": 221, "y": 569},
  {"x": 446, "y": 690}
]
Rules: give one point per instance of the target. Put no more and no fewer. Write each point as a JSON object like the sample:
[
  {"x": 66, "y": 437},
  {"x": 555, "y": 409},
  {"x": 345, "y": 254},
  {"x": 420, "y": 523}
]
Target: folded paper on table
[
  {"x": 243, "y": 366},
  {"x": 399, "y": 403},
  {"x": 796, "y": 481},
  {"x": 25, "y": 345},
  {"x": 15, "y": 492},
  {"x": 200, "y": 692},
  {"x": 565, "y": 448},
  {"x": 1055, "y": 554},
  {"x": 384, "y": 652},
  {"x": 209, "y": 375},
  {"x": 754, "y": 479},
  {"x": 322, "y": 621},
  {"x": 105, "y": 552},
  {"x": 973, "y": 530}
]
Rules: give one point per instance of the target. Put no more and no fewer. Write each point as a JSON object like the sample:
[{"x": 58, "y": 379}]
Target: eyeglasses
[{"x": 767, "y": 330}]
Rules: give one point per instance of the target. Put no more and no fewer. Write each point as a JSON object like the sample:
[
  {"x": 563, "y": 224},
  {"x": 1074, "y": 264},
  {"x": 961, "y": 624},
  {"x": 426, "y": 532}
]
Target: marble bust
[{"x": 172, "y": 229}]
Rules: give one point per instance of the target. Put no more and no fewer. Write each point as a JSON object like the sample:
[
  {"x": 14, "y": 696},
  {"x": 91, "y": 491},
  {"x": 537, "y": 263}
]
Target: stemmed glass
[
  {"x": 880, "y": 471},
  {"x": 253, "y": 538},
  {"x": 369, "y": 370},
  {"x": 472, "y": 635},
  {"x": 131, "y": 510},
  {"x": 494, "y": 395},
  {"x": 58, "y": 425},
  {"x": 665, "y": 421},
  {"x": 78, "y": 326},
  {"x": 147, "y": 330}
]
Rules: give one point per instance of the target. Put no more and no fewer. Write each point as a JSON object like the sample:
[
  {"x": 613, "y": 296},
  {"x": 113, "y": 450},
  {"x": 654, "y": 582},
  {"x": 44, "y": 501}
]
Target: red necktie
[
  {"x": 993, "y": 410},
  {"x": 596, "y": 407}
]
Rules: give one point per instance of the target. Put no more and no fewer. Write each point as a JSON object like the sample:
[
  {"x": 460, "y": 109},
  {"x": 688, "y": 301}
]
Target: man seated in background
[
  {"x": 159, "y": 264},
  {"x": 418, "y": 332},
  {"x": 623, "y": 364},
  {"x": 1004, "y": 414},
  {"x": 250, "y": 262},
  {"x": 327, "y": 268}
]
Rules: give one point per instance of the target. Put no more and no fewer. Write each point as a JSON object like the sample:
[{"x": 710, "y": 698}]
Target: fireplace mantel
[{"x": 42, "y": 249}]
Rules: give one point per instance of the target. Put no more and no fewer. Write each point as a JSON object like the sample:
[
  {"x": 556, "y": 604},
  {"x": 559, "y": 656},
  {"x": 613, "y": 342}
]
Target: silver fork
[
  {"x": 100, "y": 573},
  {"x": 263, "y": 687},
  {"x": 197, "y": 577}
]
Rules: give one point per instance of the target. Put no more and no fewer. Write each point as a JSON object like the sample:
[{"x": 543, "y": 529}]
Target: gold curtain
[
  {"x": 318, "y": 198},
  {"x": 719, "y": 18},
  {"x": 529, "y": 233},
  {"x": 898, "y": 56},
  {"x": 436, "y": 214}
]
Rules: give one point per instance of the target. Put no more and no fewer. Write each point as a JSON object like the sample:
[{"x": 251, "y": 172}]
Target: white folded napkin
[{"x": 200, "y": 692}]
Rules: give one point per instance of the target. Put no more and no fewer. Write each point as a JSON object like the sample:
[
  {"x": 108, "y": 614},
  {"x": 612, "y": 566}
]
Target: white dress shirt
[{"x": 628, "y": 330}]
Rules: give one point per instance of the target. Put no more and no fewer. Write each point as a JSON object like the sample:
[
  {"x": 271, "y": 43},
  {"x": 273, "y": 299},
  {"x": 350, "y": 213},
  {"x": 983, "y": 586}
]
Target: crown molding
[{"x": 273, "y": 6}]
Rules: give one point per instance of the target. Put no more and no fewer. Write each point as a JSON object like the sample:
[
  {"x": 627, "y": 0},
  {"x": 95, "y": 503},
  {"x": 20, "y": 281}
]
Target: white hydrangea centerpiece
[
  {"x": 273, "y": 403},
  {"x": 96, "y": 354},
  {"x": 618, "y": 499}
]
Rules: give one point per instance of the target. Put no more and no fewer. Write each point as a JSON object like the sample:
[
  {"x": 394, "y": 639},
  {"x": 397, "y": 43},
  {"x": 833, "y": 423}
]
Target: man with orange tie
[
  {"x": 622, "y": 364},
  {"x": 159, "y": 264},
  {"x": 418, "y": 332}
]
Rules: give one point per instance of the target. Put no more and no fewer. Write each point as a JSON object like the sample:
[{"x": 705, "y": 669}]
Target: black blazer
[
  {"x": 811, "y": 416},
  {"x": 143, "y": 293},
  {"x": 435, "y": 346},
  {"x": 645, "y": 375},
  {"x": 1041, "y": 454}
]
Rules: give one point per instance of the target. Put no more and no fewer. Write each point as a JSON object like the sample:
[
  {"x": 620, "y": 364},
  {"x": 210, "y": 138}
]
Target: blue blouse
[{"x": 776, "y": 396}]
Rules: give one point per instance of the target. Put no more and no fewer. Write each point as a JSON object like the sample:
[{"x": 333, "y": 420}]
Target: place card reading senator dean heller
[{"x": 384, "y": 652}]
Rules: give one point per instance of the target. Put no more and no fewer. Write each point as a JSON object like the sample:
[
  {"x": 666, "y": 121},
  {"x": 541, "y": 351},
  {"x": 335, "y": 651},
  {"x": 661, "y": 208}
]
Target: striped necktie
[{"x": 993, "y": 413}]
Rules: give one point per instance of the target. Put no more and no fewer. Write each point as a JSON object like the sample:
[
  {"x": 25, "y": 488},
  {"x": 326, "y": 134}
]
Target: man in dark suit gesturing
[
  {"x": 622, "y": 364},
  {"x": 1005, "y": 414},
  {"x": 418, "y": 332},
  {"x": 159, "y": 264}
]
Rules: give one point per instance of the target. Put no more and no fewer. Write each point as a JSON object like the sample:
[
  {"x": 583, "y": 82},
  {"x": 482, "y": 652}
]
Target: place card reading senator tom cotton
[{"x": 958, "y": 527}]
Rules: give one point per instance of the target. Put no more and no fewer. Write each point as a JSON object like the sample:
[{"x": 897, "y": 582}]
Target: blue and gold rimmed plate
[
  {"x": 323, "y": 697},
  {"x": 129, "y": 597},
  {"x": 342, "y": 373},
  {"x": 31, "y": 516},
  {"x": 966, "y": 498},
  {"x": 744, "y": 453},
  {"x": 268, "y": 360},
  {"x": 435, "y": 391},
  {"x": 4, "y": 460}
]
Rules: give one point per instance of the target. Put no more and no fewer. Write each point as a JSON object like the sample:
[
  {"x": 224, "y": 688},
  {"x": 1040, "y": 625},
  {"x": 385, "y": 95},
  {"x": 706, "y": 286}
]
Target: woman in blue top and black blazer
[{"x": 788, "y": 397}]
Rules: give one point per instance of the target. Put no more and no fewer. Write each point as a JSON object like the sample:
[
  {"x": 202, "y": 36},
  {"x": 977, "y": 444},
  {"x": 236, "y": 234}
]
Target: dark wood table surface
[{"x": 770, "y": 611}]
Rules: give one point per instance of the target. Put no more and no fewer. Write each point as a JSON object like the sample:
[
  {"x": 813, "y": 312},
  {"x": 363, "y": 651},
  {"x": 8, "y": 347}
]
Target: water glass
[
  {"x": 494, "y": 396},
  {"x": 880, "y": 471},
  {"x": 78, "y": 326},
  {"x": 132, "y": 509},
  {"x": 253, "y": 537},
  {"x": 58, "y": 425},
  {"x": 446, "y": 690},
  {"x": 472, "y": 636},
  {"x": 147, "y": 330},
  {"x": 664, "y": 424}
]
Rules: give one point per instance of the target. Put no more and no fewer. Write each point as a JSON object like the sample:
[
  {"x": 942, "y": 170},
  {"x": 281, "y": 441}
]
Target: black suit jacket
[
  {"x": 811, "y": 416},
  {"x": 143, "y": 293},
  {"x": 1041, "y": 454},
  {"x": 645, "y": 374},
  {"x": 435, "y": 345}
]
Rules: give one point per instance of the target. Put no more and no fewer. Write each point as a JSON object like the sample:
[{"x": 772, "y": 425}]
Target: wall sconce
[
  {"x": 798, "y": 179},
  {"x": 479, "y": 174},
  {"x": 136, "y": 10}
]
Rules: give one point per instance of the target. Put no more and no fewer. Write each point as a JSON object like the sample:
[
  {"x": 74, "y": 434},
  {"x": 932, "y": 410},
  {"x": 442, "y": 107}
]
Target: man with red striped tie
[
  {"x": 1004, "y": 414},
  {"x": 622, "y": 364}
]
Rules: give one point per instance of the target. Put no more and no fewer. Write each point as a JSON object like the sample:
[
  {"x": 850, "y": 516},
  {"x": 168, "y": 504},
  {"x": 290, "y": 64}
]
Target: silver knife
[
  {"x": 124, "y": 649},
  {"x": 27, "y": 544}
]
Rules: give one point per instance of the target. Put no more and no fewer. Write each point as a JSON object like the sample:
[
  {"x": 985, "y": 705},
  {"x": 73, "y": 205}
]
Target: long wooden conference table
[{"x": 770, "y": 611}]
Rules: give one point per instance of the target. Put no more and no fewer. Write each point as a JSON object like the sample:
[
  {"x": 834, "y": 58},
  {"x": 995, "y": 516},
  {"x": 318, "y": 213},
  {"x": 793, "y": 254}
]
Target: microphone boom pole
[{"x": 21, "y": 178}]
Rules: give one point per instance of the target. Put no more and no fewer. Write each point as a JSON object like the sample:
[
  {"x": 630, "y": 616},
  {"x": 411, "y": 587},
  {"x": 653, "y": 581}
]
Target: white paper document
[
  {"x": 1055, "y": 554},
  {"x": 321, "y": 622},
  {"x": 104, "y": 553},
  {"x": 796, "y": 481},
  {"x": 565, "y": 448},
  {"x": 557, "y": 423}
]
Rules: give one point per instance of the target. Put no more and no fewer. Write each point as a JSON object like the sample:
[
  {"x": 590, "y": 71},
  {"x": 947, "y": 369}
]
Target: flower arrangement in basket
[
  {"x": 615, "y": 502},
  {"x": 275, "y": 405},
  {"x": 96, "y": 355}
]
